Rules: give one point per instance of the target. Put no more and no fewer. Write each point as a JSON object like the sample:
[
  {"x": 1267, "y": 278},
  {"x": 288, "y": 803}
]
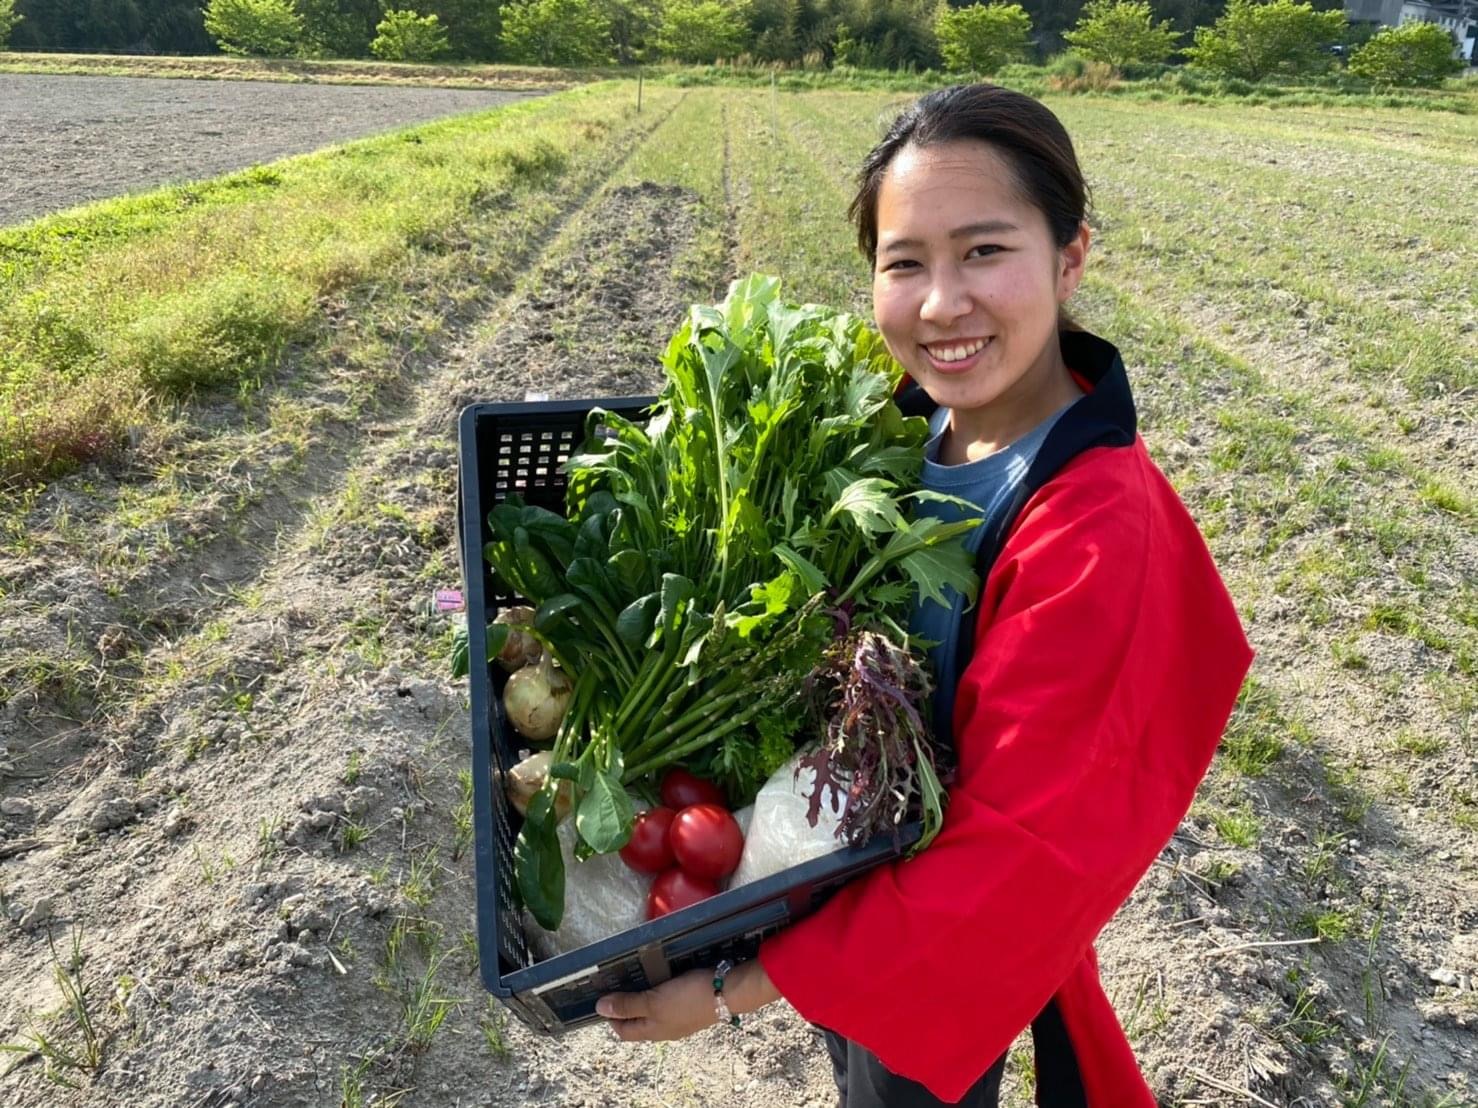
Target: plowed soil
[{"x": 68, "y": 140}]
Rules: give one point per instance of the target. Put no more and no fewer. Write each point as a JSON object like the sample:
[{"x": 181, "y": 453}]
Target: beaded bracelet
[{"x": 719, "y": 973}]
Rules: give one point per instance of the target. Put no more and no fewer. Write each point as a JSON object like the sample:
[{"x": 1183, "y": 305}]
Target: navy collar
[{"x": 1104, "y": 416}]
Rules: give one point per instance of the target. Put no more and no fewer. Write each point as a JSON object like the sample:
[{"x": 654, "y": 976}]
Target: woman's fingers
[
  {"x": 673, "y": 1010},
  {"x": 628, "y": 1015},
  {"x": 623, "y": 1006}
]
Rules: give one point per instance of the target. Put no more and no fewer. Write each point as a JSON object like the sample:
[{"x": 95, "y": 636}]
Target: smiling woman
[
  {"x": 1080, "y": 730},
  {"x": 969, "y": 307},
  {"x": 976, "y": 245}
]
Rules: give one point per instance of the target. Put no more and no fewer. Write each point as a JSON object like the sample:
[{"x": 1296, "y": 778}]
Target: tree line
[
  {"x": 1243, "y": 39},
  {"x": 887, "y": 33}
]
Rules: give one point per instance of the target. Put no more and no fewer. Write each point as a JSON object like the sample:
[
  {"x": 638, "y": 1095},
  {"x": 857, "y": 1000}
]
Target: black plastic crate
[{"x": 520, "y": 448}]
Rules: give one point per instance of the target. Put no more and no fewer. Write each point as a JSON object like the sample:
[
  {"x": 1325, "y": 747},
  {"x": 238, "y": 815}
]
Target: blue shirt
[{"x": 988, "y": 484}]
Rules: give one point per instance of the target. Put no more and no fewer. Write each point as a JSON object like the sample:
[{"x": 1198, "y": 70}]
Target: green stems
[
  {"x": 695, "y": 717},
  {"x": 716, "y": 434},
  {"x": 731, "y": 689},
  {"x": 618, "y": 653},
  {"x": 693, "y": 744},
  {"x": 875, "y": 565},
  {"x": 650, "y": 681},
  {"x": 573, "y": 724}
]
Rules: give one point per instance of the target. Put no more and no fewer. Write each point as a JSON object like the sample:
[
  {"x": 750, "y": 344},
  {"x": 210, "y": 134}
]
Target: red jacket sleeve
[{"x": 1107, "y": 659}]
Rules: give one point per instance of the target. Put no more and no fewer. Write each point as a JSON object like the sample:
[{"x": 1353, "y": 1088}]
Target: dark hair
[{"x": 1021, "y": 129}]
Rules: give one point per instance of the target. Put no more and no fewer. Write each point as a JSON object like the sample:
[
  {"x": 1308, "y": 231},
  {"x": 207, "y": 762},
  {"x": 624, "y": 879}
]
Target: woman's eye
[
  {"x": 901, "y": 263},
  {"x": 983, "y": 251}
]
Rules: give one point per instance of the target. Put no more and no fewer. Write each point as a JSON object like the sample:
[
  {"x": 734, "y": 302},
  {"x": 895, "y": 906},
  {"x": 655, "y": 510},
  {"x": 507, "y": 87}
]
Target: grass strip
[
  {"x": 790, "y": 212},
  {"x": 114, "y": 311},
  {"x": 1176, "y": 85},
  {"x": 1315, "y": 504}
]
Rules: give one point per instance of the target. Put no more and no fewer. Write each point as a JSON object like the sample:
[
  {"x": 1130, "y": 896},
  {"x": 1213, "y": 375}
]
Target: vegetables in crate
[
  {"x": 710, "y": 559},
  {"x": 526, "y": 778},
  {"x": 681, "y": 788},
  {"x": 868, "y": 701},
  {"x": 795, "y": 820},
  {"x": 677, "y": 888},
  {"x": 648, "y": 850},
  {"x": 690, "y": 847},
  {"x": 518, "y": 648},
  {"x": 537, "y": 693},
  {"x": 536, "y": 698},
  {"x": 706, "y": 841}
]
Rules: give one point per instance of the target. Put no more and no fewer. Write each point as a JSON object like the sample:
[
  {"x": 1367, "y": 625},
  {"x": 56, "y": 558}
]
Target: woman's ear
[{"x": 1071, "y": 260}]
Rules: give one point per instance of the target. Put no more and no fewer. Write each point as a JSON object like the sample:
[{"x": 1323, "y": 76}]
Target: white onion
[
  {"x": 535, "y": 699},
  {"x": 521, "y": 649},
  {"x": 528, "y": 777}
]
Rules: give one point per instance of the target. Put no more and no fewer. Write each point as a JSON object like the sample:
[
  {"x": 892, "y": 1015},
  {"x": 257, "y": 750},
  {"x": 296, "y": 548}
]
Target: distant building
[{"x": 1457, "y": 16}]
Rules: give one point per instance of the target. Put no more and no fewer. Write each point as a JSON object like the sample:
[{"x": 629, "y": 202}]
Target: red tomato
[
  {"x": 675, "y": 889},
  {"x": 647, "y": 851},
  {"x": 706, "y": 840},
  {"x": 680, "y": 789}
]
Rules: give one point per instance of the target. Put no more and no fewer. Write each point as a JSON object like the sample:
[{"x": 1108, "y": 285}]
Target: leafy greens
[{"x": 706, "y": 555}]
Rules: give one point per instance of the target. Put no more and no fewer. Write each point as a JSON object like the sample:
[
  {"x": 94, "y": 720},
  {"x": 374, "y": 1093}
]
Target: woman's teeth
[{"x": 956, "y": 353}]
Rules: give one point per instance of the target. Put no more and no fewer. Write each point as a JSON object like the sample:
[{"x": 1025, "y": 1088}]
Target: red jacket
[{"x": 1108, "y": 656}]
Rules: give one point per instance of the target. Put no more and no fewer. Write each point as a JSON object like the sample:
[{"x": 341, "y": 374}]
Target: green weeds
[
  {"x": 423, "y": 1007},
  {"x": 1235, "y": 827},
  {"x": 1320, "y": 865},
  {"x": 1021, "y": 1070},
  {"x": 1146, "y": 1015},
  {"x": 1330, "y": 926},
  {"x": 1350, "y": 798},
  {"x": 367, "y": 639},
  {"x": 1347, "y": 655},
  {"x": 1304, "y": 1022},
  {"x": 462, "y": 815},
  {"x": 1370, "y": 1083},
  {"x": 420, "y": 883},
  {"x": 356, "y": 1088},
  {"x": 1255, "y": 736},
  {"x": 352, "y": 833},
  {"x": 494, "y": 1025},
  {"x": 269, "y": 837},
  {"x": 1256, "y": 443},
  {"x": 67, "y": 681},
  {"x": 1417, "y": 744},
  {"x": 67, "y": 1041},
  {"x": 213, "y": 869},
  {"x": 470, "y": 950}
]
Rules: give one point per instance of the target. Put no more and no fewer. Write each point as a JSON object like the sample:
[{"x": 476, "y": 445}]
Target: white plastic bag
[
  {"x": 603, "y": 895},
  {"x": 779, "y": 835}
]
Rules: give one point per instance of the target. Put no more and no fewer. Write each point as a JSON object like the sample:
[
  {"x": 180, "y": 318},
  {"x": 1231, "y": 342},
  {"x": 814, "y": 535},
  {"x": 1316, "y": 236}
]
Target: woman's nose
[{"x": 946, "y": 301}]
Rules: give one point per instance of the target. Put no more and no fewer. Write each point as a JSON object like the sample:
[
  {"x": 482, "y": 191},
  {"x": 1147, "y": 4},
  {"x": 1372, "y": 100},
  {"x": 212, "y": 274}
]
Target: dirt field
[
  {"x": 69, "y": 140},
  {"x": 254, "y": 953},
  {"x": 234, "y": 773}
]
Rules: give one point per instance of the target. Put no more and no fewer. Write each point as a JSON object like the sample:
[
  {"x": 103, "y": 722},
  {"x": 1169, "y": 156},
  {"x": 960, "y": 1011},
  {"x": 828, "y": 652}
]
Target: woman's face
[{"x": 967, "y": 282}]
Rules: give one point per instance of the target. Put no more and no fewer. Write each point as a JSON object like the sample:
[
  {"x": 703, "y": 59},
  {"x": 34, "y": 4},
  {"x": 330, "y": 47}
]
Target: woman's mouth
[{"x": 956, "y": 355}]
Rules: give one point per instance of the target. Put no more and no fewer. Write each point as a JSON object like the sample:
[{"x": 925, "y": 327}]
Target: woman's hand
[{"x": 684, "y": 1005}]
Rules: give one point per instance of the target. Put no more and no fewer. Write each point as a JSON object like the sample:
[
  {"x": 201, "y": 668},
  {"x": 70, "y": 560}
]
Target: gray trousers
[{"x": 864, "y": 1082}]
